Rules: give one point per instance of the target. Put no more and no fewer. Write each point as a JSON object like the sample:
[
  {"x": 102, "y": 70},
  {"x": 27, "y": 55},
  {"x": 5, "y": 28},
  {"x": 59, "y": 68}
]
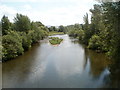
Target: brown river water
[{"x": 68, "y": 65}]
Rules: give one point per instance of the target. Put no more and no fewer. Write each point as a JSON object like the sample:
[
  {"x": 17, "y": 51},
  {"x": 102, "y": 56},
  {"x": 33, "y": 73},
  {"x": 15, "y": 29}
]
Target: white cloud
[
  {"x": 19, "y": 1},
  {"x": 50, "y": 16},
  {"x": 27, "y": 7},
  {"x": 9, "y": 11}
]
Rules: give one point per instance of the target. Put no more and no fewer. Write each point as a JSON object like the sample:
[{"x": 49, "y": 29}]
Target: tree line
[
  {"x": 60, "y": 28},
  {"x": 20, "y": 35},
  {"x": 103, "y": 33}
]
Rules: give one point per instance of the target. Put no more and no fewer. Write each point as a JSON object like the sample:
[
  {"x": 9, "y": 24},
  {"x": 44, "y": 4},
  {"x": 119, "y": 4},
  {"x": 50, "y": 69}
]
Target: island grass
[
  {"x": 55, "y": 40},
  {"x": 55, "y": 33}
]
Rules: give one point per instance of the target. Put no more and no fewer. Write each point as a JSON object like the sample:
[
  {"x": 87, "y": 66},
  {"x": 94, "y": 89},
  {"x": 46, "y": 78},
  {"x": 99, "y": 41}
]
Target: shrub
[
  {"x": 34, "y": 36},
  {"x": 95, "y": 43},
  {"x": 81, "y": 35},
  {"x": 55, "y": 40},
  {"x": 26, "y": 40},
  {"x": 12, "y": 45}
]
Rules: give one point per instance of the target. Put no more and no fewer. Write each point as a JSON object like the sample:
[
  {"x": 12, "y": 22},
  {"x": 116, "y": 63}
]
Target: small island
[{"x": 55, "y": 40}]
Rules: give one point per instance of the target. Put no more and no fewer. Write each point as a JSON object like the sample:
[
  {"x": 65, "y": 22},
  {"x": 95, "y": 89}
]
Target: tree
[
  {"x": 26, "y": 40},
  {"x": 5, "y": 24},
  {"x": 62, "y": 29},
  {"x": 53, "y": 28},
  {"x": 87, "y": 32},
  {"x": 85, "y": 18},
  {"x": 96, "y": 18},
  {"x": 22, "y": 23},
  {"x": 95, "y": 43},
  {"x": 12, "y": 45},
  {"x": 111, "y": 17}
]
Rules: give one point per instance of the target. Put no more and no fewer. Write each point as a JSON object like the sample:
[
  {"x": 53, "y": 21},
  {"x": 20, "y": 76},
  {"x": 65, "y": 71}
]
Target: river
[{"x": 68, "y": 65}]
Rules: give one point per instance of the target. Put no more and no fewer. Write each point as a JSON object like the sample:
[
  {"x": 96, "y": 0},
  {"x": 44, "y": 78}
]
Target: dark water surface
[{"x": 68, "y": 65}]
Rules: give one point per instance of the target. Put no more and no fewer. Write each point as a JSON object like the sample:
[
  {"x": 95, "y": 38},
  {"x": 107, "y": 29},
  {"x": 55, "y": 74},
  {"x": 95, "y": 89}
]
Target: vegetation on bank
[
  {"x": 103, "y": 33},
  {"x": 55, "y": 40},
  {"x": 59, "y": 29},
  {"x": 19, "y": 36},
  {"x": 55, "y": 33}
]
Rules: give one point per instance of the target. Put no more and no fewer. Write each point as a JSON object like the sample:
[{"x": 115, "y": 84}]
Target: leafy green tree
[
  {"x": 22, "y": 23},
  {"x": 12, "y": 45},
  {"x": 81, "y": 35},
  {"x": 38, "y": 32},
  {"x": 61, "y": 29},
  {"x": 95, "y": 43},
  {"x": 86, "y": 21},
  {"x": 111, "y": 17},
  {"x": 86, "y": 29},
  {"x": 5, "y": 24},
  {"x": 53, "y": 28},
  {"x": 96, "y": 19},
  {"x": 26, "y": 40}
]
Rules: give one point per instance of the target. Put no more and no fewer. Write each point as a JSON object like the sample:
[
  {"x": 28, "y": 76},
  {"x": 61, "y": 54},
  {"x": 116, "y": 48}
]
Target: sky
[{"x": 49, "y": 12}]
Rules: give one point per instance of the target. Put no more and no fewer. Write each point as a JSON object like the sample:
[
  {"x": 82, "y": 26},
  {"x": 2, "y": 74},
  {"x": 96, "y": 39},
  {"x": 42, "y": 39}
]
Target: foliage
[
  {"x": 103, "y": 33},
  {"x": 62, "y": 29},
  {"x": 36, "y": 35},
  {"x": 81, "y": 35},
  {"x": 95, "y": 43},
  {"x": 26, "y": 40},
  {"x": 22, "y": 23},
  {"x": 55, "y": 40},
  {"x": 55, "y": 33},
  {"x": 53, "y": 28},
  {"x": 5, "y": 24},
  {"x": 12, "y": 45},
  {"x": 74, "y": 30},
  {"x": 20, "y": 35},
  {"x": 1, "y": 47}
]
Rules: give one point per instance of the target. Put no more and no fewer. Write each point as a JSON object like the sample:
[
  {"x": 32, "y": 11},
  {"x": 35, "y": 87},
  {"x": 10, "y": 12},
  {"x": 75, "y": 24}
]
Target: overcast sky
[{"x": 49, "y": 12}]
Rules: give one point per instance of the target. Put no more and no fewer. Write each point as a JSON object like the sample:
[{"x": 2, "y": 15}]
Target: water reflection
[
  {"x": 68, "y": 65},
  {"x": 20, "y": 69},
  {"x": 114, "y": 78},
  {"x": 0, "y": 75},
  {"x": 98, "y": 62}
]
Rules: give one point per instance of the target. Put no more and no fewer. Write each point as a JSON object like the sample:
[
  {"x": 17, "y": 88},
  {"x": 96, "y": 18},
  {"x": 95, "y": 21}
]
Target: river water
[{"x": 68, "y": 65}]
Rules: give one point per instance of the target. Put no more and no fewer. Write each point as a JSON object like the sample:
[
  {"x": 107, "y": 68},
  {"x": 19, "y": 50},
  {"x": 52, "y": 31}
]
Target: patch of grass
[
  {"x": 55, "y": 33},
  {"x": 55, "y": 40}
]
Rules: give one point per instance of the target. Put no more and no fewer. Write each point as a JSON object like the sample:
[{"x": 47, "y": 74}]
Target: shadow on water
[
  {"x": 103, "y": 68},
  {"x": 96, "y": 65},
  {"x": 113, "y": 79},
  {"x": 98, "y": 61}
]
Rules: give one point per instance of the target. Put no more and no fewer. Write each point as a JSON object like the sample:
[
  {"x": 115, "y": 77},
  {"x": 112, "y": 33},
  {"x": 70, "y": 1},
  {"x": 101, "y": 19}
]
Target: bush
[
  {"x": 1, "y": 54},
  {"x": 95, "y": 43},
  {"x": 12, "y": 45},
  {"x": 55, "y": 40},
  {"x": 81, "y": 35},
  {"x": 26, "y": 40},
  {"x": 34, "y": 36},
  {"x": 74, "y": 33}
]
